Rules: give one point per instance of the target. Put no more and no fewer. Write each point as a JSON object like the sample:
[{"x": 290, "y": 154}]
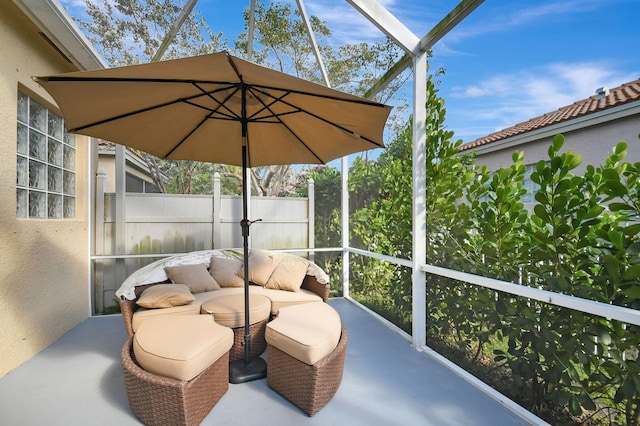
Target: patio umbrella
[{"x": 222, "y": 109}]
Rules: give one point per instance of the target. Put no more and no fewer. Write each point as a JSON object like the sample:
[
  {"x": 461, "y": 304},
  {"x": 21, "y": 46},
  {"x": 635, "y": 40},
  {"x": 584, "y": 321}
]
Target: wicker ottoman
[
  {"x": 176, "y": 369},
  {"x": 306, "y": 349},
  {"x": 228, "y": 310}
]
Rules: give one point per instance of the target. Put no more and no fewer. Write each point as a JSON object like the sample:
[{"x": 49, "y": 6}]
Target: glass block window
[{"x": 46, "y": 163}]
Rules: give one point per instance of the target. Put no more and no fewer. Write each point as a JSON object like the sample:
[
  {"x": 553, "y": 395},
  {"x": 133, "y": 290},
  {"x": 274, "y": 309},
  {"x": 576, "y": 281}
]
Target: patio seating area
[{"x": 79, "y": 380}]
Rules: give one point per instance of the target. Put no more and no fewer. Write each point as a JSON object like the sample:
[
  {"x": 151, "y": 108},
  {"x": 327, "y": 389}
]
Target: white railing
[
  {"x": 604, "y": 310},
  {"x": 132, "y": 229}
]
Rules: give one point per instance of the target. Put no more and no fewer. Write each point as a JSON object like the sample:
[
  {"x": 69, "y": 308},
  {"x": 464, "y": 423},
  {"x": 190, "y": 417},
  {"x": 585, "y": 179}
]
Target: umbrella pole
[{"x": 249, "y": 368}]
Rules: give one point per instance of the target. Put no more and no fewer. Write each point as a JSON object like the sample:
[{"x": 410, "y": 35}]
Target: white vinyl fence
[{"x": 151, "y": 226}]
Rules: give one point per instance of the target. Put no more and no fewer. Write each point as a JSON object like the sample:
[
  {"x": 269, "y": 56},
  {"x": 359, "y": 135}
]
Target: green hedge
[{"x": 580, "y": 238}]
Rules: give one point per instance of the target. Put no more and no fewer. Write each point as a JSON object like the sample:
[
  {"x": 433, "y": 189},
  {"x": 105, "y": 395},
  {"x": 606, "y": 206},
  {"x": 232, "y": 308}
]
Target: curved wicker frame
[
  {"x": 309, "y": 387},
  {"x": 158, "y": 400}
]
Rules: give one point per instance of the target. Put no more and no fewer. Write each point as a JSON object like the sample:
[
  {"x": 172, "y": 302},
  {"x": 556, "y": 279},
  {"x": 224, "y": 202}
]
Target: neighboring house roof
[
  {"x": 603, "y": 100},
  {"x": 132, "y": 156}
]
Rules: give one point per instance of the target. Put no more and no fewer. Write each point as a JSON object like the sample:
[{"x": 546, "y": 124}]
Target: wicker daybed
[
  {"x": 314, "y": 285},
  {"x": 293, "y": 281}
]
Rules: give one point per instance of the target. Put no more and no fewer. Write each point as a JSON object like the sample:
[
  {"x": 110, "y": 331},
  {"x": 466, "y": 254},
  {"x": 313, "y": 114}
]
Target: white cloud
[
  {"x": 508, "y": 99},
  {"x": 556, "y": 81},
  {"x": 347, "y": 25},
  {"x": 80, "y": 4},
  {"x": 471, "y": 92}
]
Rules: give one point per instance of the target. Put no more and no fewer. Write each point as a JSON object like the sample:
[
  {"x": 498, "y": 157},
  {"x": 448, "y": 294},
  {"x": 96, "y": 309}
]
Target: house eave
[{"x": 54, "y": 22}]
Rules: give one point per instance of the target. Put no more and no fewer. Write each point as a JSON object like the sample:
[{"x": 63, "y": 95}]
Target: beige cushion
[
  {"x": 143, "y": 314},
  {"x": 288, "y": 276},
  {"x": 228, "y": 310},
  {"x": 165, "y": 296},
  {"x": 225, "y": 271},
  {"x": 203, "y": 297},
  {"x": 280, "y": 299},
  {"x": 196, "y": 276},
  {"x": 261, "y": 266},
  {"x": 180, "y": 347},
  {"x": 224, "y": 291},
  {"x": 307, "y": 332}
]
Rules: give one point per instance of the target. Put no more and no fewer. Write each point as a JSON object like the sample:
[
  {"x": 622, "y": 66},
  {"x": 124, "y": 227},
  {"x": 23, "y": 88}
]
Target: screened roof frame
[{"x": 416, "y": 50}]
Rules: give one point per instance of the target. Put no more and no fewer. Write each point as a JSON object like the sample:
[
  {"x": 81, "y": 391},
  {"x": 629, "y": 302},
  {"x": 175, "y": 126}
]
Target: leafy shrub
[{"x": 581, "y": 238}]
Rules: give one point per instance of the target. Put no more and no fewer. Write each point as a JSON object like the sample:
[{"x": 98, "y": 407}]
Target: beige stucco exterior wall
[
  {"x": 107, "y": 162},
  {"x": 44, "y": 288},
  {"x": 594, "y": 143}
]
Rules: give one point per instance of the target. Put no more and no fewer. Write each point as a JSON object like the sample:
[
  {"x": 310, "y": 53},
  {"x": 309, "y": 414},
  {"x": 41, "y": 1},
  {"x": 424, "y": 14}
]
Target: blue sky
[{"x": 509, "y": 61}]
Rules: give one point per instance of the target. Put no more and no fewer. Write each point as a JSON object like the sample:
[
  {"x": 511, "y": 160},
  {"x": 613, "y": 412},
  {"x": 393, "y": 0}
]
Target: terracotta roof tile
[
  {"x": 107, "y": 144},
  {"x": 626, "y": 93}
]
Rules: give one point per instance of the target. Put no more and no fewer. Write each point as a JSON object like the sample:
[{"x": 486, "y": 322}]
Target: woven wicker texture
[
  {"x": 309, "y": 387},
  {"x": 311, "y": 283},
  {"x": 128, "y": 307},
  {"x": 256, "y": 337},
  {"x": 158, "y": 400}
]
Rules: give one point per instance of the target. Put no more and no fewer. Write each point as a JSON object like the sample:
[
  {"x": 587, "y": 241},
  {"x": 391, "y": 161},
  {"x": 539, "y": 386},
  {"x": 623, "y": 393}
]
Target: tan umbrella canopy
[
  {"x": 221, "y": 109},
  {"x": 191, "y": 109}
]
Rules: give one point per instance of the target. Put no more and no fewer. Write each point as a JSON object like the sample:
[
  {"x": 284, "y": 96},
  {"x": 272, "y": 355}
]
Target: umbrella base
[{"x": 241, "y": 372}]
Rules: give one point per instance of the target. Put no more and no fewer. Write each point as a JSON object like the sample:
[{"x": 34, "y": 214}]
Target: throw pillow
[
  {"x": 288, "y": 276},
  {"x": 165, "y": 296},
  {"x": 261, "y": 266},
  {"x": 196, "y": 277},
  {"x": 225, "y": 271}
]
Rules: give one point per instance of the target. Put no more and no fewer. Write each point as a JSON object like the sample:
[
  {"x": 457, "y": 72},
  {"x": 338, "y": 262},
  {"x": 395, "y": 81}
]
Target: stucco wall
[
  {"x": 594, "y": 143},
  {"x": 43, "y": 263},
  {"x": 107, "y": 162}
]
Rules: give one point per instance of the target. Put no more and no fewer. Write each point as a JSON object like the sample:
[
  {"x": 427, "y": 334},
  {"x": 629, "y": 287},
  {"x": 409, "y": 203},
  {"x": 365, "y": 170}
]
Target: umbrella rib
[
  {"x": 277, "y": 117},
  {"x": 142, "y": 110},
  {"x": 301, "y": 141},
  {"x": 231, "y": 116},
  {"x": 223, "y": 115},
  {"x": 185, "y": 138},
  {"x": 298, "y": 109},
  {"x": 361, "y": 101}
]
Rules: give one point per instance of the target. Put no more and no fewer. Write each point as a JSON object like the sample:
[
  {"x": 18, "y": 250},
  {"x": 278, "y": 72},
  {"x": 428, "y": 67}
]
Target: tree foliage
[
  {"x": 580, "y": 237},
  {"x": 131, "y": 31},
  {"x": 281, "y": 42}
]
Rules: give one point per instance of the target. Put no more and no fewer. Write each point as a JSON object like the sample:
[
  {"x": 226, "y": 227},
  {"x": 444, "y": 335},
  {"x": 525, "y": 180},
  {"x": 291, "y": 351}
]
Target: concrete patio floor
[{"x": 78, "y": 381}]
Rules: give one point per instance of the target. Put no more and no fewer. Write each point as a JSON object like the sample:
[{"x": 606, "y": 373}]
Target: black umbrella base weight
[{"x": 241, "y": 372}]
